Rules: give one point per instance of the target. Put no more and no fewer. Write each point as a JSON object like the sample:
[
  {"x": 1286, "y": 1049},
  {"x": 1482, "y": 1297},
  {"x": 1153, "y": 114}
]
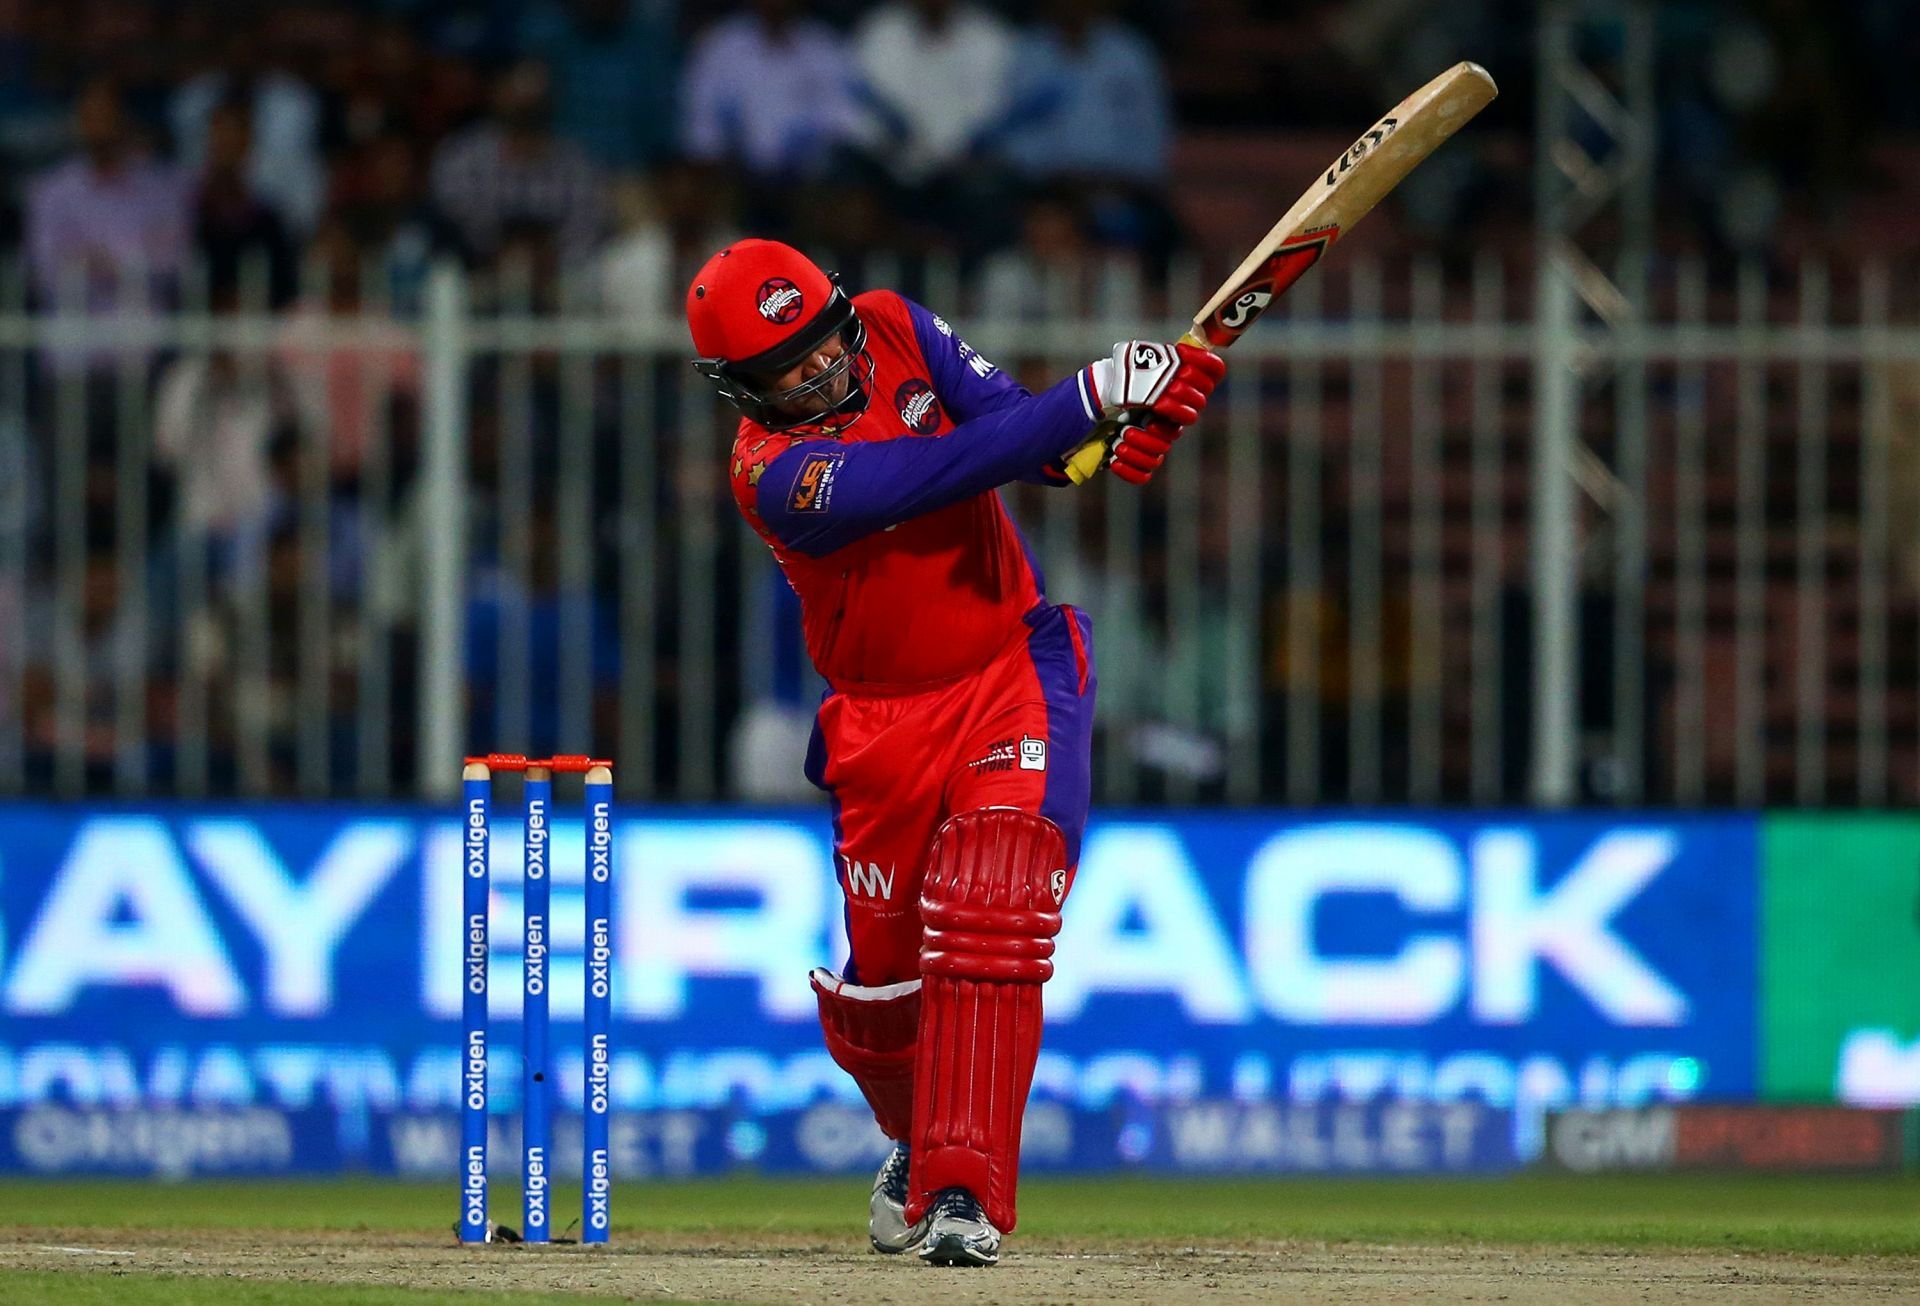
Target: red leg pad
[
  {"x": 870, "y": 1035},
  {"x": 989, "y": 907}
]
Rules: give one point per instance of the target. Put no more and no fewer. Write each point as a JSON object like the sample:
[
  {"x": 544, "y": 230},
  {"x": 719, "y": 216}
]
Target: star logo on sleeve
[{"x": 750, "y": 460}]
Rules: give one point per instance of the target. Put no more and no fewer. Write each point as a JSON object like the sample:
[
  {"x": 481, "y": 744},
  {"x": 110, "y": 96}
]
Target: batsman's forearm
[{"x": 867, "y": 487}]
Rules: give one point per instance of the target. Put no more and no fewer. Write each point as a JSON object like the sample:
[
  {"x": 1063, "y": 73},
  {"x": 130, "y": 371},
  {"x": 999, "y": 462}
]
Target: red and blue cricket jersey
[{"x": 953, "y": 683}]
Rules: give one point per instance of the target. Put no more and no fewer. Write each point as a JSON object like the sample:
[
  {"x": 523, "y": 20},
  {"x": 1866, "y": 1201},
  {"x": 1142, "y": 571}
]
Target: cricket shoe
[
  {"x": 958, "y": 1232},
  {"x": 887, "y": 1211}
]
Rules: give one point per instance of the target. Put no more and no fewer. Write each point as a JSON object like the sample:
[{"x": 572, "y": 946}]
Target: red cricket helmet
[{"x": 757, "y": 310}]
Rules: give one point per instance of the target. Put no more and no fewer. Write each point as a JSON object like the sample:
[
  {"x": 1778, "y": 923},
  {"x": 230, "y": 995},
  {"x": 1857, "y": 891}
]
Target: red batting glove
[
  {"x": 1184, "y": 398},
  {"x": 1170, "y": 381},
  {"x": 1147, "y": 433},
  {"x": 1139, "y": 451}
]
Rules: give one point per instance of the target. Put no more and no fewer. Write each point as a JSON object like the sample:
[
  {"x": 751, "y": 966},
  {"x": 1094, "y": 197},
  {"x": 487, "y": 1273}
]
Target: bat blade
[
  {"x": 1339, "y": 197},
  {"x": 1346, "y": 192}
]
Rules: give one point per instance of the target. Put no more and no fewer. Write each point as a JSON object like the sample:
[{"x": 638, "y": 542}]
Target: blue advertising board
[
  {"x": 1203, "y": 1136},
  {"x": 294, "y": 957}
]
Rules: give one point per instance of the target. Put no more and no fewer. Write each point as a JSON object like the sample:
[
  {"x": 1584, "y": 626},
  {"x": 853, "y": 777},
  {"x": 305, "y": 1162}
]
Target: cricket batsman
[{"x": 954, "y": 739}]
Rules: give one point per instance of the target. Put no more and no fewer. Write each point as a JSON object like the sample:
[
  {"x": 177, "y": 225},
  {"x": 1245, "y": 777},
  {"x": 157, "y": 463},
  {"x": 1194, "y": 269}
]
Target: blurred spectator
[
  {"x": 667, "y": 228},
  {"x": 542, "y": 607},
  {"x": 380, "y": 199},
  {"x": 473, "y": 31},
  {"x": 1040, "y": 277},
  {"x": 121, "y": 39},
  {"x": 1898, "y": 428},
  {"x": 346, "y": 389},
  {"x": 89, "y": 631},
  {"x": 34, "y": 112},
  {"x": 377, "y": 86},
  {"x": 933, "y": 79},
  {"x": 22, "y": 510},
  {"x": 238, "y": 234},
  {"x": 1090, "y": 106},
  {"x": 215, "y": 417},
  {"x": 851, "y": 220},
  {"x": 284, "y": 164},
  {"x": 934, "y": 75},
  {"x": 1812, "y": 117},
  {"x": 613, "y": 75},
  {"x": 1088, "y": 98},
  {"x": 767, "y": 743},
  {"x": 767, "y": 90},
  {"x": 1056, "y": 271},
  {"x": 108, "y": 229},
  {"x": 389, "y": 84},
  {"x": 1890, "y": 32},
  {"x": 532, "y": 275},
  {"x": 510, "y": 170}
]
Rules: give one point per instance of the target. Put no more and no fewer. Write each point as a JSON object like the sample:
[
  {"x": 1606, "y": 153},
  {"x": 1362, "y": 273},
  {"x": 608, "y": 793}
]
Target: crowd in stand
[
  {"x": 150, "y": 135},
  {"x": 136, "y": 135},
  {"x": 316, "y": 156}
]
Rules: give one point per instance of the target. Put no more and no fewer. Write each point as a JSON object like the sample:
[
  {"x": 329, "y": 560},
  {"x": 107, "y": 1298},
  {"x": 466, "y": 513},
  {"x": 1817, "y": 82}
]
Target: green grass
[
  {"x": 165, "y": 1290},
  {"x": 1813, "y": 1215}
]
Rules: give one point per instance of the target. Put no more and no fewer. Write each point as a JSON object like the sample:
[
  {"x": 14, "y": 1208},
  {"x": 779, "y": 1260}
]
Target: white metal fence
[{"x": 325, "y": 550}]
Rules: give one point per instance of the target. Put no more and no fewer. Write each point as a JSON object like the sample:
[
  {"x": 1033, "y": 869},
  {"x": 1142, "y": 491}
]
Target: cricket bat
[{"x": 1340, "y": 197}]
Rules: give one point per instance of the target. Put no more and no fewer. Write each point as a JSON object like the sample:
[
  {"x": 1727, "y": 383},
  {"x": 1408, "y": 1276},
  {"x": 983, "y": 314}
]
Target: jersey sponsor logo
[
  {"x": 919, "y": 406},
  {"x": 981, "y": 367},
  {"x": 813, "y": 488},
  {"x": 940, "y": 325},
  {"x": 867, "y": 880},
  {"x": 1025, "y": 753},
  {"x": 779, "y": 300},
  {"x": 1001, "y": 755}
]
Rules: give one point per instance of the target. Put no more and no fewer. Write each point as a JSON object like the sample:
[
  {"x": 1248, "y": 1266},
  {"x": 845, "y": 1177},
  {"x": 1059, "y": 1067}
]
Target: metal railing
[{"x": 325, "y": 551}]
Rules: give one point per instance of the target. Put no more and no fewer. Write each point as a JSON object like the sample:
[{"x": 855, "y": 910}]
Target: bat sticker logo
[
  {"x": 1241, "y": 312},
  {"x": 1358, "y": 150}
]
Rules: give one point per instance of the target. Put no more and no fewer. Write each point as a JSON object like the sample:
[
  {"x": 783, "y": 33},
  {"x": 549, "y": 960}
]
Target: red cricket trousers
[{"x": 1017, "y": 733}]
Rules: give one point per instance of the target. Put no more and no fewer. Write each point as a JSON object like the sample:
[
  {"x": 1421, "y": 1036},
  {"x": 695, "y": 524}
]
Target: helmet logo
[
  {"x": 919, "y": 407},
  {"x": 779, "y": 300}
]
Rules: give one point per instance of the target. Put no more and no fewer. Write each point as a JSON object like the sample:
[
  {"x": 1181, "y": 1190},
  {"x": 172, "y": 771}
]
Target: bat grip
[{"x": 1083, "y": 463}]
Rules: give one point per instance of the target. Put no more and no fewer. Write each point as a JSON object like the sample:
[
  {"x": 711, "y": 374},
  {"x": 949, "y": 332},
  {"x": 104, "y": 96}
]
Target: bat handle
[{"x": 1083, "y": 463}]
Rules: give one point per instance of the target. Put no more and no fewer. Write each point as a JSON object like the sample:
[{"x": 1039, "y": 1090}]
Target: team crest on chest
[{"x": 919, "y": 406}]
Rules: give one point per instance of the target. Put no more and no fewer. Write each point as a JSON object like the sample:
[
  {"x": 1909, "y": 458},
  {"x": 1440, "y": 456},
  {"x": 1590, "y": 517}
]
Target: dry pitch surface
[
  {"x": 798, "y": 1271},
  {"x": 1558, "y": 1240}
]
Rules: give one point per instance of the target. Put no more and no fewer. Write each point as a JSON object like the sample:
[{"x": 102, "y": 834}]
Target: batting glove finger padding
[{"x": 1140, "y": 449}]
